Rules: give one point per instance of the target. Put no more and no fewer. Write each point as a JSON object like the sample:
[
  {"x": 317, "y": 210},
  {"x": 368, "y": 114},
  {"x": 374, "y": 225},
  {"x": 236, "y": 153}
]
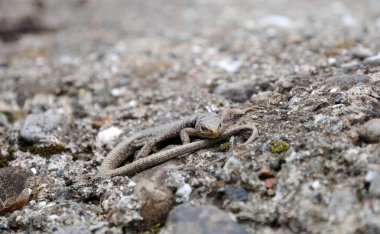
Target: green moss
[
  {"x": 223, "y": 147},
  {"x": 4, "y": 160},
  {"x": 12, "y": 116},
  {"x": 153, "y": 230},
  {"x": 36, "y": 190},
  {"x": 278, "y": 146},
  {"x": 47, "y": 150}
]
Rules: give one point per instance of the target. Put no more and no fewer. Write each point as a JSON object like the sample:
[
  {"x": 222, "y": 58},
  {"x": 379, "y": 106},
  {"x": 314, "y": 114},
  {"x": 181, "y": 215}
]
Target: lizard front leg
[{"x": 186, "y": 133}]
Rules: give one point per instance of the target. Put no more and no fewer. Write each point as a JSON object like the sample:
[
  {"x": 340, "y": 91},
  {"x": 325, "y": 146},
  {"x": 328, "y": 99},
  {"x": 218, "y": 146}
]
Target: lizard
[{"x": 205, "y": 125}]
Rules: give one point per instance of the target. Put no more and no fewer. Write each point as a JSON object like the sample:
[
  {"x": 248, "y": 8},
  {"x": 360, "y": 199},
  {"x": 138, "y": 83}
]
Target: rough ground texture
[{"x": 78, "y": 76}]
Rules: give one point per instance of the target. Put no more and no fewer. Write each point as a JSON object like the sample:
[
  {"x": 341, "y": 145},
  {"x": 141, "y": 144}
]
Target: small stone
[
  {"x": 229, "y": 65},
  {"x": 265, "y": 173},
  {"x": 278, "y": 21},
  {"x": 275, "y": 165},
  {"x": 14, "y": 192},
  {"x": 270, "y": 192},
  {"x": 154, "y": 193},
  {"x": 362, "y": 52},
  {"x": 183, "y": 193},
  {"x": 131, "y": 184},
  {"x": 239, "y": 91},
  {"x": 372, "y": 61},
  {"x": 47, "y": 127},
  {"x": 235, "y": 194},
  {"x": 370, "y": 131},
  {"x": 201, "y": 219},
  {"x": 107, "y": 135},
  {"x": 270, "y": 183},
  {"x": 374, "y": 188},
  {"x": 78, "y": 229}
]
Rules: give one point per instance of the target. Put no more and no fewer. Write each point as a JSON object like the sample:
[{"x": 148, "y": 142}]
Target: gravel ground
[{"x": 79, "y": 76}]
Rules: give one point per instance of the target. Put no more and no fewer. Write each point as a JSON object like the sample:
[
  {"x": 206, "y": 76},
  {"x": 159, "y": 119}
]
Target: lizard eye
[{"x": 203, "y": 129}]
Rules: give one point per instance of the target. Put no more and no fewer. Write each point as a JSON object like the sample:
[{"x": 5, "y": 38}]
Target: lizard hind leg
[{"x": 146, "y": 149}]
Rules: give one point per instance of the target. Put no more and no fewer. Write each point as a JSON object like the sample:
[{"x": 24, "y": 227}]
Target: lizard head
[{"x": 209, "y": 125}]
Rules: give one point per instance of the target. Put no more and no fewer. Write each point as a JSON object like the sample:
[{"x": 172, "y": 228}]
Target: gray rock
[
  {"x": 369, "y": 228},
  {"x": 239, "y": 91},
  {"x": 370, "y": 131},
  {"x": 372, "y": 61},
  {"x": 79, "y": 229},
  {"x": 341, "y": 203},
  {"x": 47, "y": 127},
  {"x": 235, "y": 194},
  {"x": 201, "y": 219},
  {"x": 374, "y": 188},
  {"x": 346, "y": 81},
  {"x": 153, "y": 190},
  {"x": 362, "y": 52}
]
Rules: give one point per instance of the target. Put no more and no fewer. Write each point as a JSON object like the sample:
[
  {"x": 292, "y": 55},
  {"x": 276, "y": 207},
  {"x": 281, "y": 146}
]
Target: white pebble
[
  {"x": 183, "y": 193},
  {"x": 107, "y": 135},
  {"x": 42, "y": 204},
  {"x": 229, "y": 65},
  {"x": 276, "y": 21},
  {"x": 316, "y": 185},
  {"x": 34, "y": 171},
  {"x": 369, "y": 176},
  {"x": 131, "y": 184}
]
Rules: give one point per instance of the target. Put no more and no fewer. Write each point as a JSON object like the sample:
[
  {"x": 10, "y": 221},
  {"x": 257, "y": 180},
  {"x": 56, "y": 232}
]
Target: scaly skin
[
  {"x": 204, "y": 125},
  {"x": 111, "y": 166}
]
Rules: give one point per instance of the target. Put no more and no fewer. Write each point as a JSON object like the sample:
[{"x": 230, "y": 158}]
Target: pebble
[
  {"x": 374, "y": 188},
  {"x": 229, "y": 65},
  {"x": 183, "y": 193},
  {"x": 47, "y": 127},
  {"x": 77, "y": 229},
  {"x": 346, "y": 81},
  {"x": 362, "y": 52},
  {"x": 234, "y": 194},
  {"x": 370, "y": 131},
  {"x": 372, "y": 61},
  {"x": 201, "y": 219},
  {"x": 152, "y": 189},
  {"x": 276, "y": 21},
  {"x": 107, "y": 135},
  {"x": 14, "y": 192},
  {"x": 265, "y": 173},
  {"x": 239, "y": 91}
]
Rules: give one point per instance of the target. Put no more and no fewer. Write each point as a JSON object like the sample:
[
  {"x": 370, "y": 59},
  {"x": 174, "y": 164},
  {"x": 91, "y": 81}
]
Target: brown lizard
[{"x": 204, "y": 125}]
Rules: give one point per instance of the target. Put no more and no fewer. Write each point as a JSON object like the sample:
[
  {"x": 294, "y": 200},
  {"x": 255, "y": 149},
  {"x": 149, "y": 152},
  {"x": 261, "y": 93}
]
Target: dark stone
[
  {"x": 201, "y": 219},
  {"x": 234, "y": 194},
  {"x": 370, "y": 131},
  {"x": 14, "y": 192}
]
